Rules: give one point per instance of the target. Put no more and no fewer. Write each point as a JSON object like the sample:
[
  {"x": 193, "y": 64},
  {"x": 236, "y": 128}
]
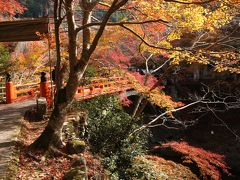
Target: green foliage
[
  {"x": 78, "y": 143},
  {"x": 35, "y": 8},
  {"x": 4, "y": 57},
  {"x": 89, "y": 73},
  {"x": 109, "y": 129},
  {"x": 142, "y": 169},
  {"x": 153, "y": 167}
]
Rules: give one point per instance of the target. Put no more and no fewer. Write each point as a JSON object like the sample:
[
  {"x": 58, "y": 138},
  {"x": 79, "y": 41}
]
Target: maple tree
[
  {"x": 28, "y": 60},
  {"x": 207, "y": 162},
  {"x": 10, "y": 8},
  {"x": 175, "y": 18}
]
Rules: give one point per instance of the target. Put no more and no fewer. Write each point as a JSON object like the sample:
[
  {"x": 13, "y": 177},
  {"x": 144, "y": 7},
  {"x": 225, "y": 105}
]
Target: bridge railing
[
  {"x": 21, "y": 92},
  {"x": 98, "y": 86},
  {"x": 112, "y": 85}
]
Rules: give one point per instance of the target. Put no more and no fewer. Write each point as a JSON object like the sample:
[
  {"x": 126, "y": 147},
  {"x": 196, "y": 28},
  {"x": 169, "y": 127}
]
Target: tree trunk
[
  {"x": 137, "y": 104},
  {"x": 52, "y": 133},
  {"x": 64, "y": 97}
]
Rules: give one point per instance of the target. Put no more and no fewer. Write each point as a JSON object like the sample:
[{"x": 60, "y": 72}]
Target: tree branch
[
  {"x": 148, "y": 44},
  {"x": 123, "y": 23},
  {"x": 197, "y": 3}
]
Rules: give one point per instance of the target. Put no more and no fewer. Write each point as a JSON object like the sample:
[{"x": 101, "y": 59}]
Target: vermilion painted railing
[
  {"x": 98, "y": 86},
  {"x": 16, "y": 93},
  {"x": 113, "y": 85}
]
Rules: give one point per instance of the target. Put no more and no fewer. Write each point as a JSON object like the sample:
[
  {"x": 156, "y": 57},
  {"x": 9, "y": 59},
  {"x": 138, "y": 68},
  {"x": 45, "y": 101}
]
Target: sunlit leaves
[{"x": 11, "y": 7}]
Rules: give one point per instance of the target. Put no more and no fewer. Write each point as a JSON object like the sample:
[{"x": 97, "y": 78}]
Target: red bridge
[{"x": 97, "y": 86}]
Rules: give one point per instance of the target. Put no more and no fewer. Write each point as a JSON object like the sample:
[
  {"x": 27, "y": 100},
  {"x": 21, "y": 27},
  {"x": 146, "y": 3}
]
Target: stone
[
  {"x": 42, "y": 105},
  {"x": 75, "y": 146},
  {"x": 75, "y": 174}
]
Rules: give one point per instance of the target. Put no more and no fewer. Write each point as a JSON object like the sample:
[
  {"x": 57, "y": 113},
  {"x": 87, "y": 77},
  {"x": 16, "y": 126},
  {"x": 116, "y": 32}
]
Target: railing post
[
  {"x": 44, "y": 88},
  {"x": 10, "y": 90}
]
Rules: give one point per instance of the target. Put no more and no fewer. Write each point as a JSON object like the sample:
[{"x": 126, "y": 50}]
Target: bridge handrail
[
  {"x": 26, "y": 85},
  {"x": 98, "y": 86},
  {"x": 27, "y": 90}
]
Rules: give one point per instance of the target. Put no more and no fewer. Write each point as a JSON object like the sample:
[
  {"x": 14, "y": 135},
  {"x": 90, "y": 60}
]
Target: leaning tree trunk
[
  {"x": 52, "y": 133},
  {"x": 65, "y": 96}
]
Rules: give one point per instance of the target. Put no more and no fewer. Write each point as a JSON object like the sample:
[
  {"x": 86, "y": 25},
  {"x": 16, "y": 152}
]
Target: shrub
[
  {"x": 109, "y": 128},
  {"x": 153, "y": 167},
  {"x": 4, "y": 57}
]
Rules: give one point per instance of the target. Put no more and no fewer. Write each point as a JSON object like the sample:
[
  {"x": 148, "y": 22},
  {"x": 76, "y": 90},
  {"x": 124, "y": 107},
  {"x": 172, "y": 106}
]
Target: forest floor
[
  {"x": 45, "y": 165},
  {"x": 35, "y": 165},
  {"x": 208, "y": 150}
]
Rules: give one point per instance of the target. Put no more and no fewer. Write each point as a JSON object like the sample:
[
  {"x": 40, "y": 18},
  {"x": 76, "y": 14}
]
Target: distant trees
[
  {"x": 28, "y": 60},
  {"x": 7, "y": 11},
  {"x": 35, "y": 8}
]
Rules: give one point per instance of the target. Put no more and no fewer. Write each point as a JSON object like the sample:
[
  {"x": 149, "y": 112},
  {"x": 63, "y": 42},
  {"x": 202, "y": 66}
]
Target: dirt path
[{"x": 10, "y": 116}]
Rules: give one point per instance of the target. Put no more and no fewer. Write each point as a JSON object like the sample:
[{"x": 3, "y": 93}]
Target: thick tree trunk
[
  {"x": 52, "y": 133},
  {"x": 65, "y": 96}
]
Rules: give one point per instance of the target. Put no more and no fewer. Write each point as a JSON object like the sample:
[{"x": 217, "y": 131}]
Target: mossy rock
[
  {"x": 75, "y": 174},
  {"x": 78, "y": 161},
  {"x": 75, "y": 146}
]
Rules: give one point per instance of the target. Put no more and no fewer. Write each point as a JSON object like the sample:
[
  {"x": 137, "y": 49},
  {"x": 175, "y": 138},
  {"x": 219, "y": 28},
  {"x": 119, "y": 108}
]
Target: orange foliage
[
  {"x": 10, "y": 7},
  {"x": 29, "y": 59}
]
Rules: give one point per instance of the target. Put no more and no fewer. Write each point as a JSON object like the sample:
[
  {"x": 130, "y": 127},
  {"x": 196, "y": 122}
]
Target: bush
[
  {"x": 153, "y": 167},
  {"x": 109, "y": 128},
  {"x": 4, "y": 57}
]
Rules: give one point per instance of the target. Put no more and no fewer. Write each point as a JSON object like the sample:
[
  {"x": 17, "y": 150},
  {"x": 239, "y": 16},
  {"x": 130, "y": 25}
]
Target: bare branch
[
  {"x": 148, "y": 44},
  {"x": 193, "y": 2},
  {"x": 225, "y": 125},
  {"x": 123, "y": 23}
]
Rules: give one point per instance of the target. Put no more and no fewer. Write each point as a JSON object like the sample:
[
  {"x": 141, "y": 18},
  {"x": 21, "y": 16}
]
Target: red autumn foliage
[
  {"x": 45, "y": 169},
  {"x": 151, "y": 80},
  {"x": 124, "y": 100},
  {"x": 10, "y": 7},
  {"x": 119, "y": 57},
  {"x": 210, "y": 165},
  {"x": 93, "y": 165}
]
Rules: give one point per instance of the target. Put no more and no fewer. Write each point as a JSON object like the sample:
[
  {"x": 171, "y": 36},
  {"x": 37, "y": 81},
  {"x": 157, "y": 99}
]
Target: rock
[
  {"x": 32, "y": 116},
  {"x": 41, "y": 106},
  {"x": 36, "y": 114},
  {"x": 75, "y": 174},
  {"x": 78, "y": 161},
  {"x": 75, "y": 146}
]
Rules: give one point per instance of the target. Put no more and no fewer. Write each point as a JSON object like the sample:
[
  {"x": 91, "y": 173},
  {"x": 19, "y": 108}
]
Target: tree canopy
[{"x": 160, "y": 28}]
